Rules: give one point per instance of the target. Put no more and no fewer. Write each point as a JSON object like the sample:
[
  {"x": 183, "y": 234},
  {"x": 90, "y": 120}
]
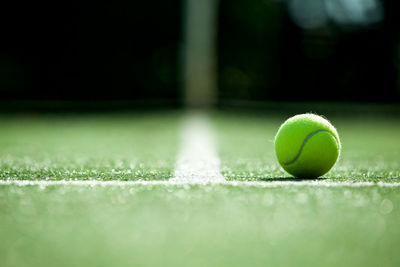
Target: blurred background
[{"x": 226, "y": 53}]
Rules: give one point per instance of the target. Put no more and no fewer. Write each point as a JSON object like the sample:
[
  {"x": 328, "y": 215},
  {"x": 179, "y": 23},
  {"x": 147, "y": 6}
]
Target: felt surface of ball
[{"x": 307, "y": 146}]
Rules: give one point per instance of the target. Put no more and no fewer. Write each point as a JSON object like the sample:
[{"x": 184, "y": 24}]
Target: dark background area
[
  {"x": 90, "y": 50},
  {"x": 270, "y": 57},
  {"x": 131, "y": 51}
]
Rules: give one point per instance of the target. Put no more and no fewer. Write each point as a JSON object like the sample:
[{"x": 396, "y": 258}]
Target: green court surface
[
  {"x": 212, "y": 225},
  {"x": 370, "y": 148},
  {"x": 185, "y": 224},
  {"x": 105, "y": 147}
]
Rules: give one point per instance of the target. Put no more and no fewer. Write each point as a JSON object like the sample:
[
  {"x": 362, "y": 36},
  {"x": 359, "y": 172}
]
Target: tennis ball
[{"x": 307, "y": 146}]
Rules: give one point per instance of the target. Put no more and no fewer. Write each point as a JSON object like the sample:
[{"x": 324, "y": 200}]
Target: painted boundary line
[
  {"x": 180, "y": 183},
  {"x": 198, "y": 160},
  {"x": 198, "y": 164}
]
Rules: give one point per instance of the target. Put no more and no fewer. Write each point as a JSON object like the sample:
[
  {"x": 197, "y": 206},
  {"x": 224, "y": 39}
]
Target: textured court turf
[
  {"x": 370, "y": 148},
  {"x": 105, "y": 147},
  {"x": 191, "y": 225},
  {"x": 199, "y": 226}
]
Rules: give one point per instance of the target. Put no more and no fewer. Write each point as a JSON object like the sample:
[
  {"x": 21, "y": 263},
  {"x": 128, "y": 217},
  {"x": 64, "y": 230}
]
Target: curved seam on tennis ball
[{"x": 304, "y": 143}]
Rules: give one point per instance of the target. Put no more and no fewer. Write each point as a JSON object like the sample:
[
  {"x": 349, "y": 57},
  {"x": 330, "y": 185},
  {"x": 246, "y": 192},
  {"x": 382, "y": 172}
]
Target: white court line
[
  {"x": 198, "y": 164},
  {"x": 198, "y": 160},
  {"x": 271, "y": 184}
]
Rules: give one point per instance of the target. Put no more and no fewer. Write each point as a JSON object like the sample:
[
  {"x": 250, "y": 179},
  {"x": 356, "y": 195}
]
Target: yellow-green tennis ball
[{"x": 307, "y": 146}]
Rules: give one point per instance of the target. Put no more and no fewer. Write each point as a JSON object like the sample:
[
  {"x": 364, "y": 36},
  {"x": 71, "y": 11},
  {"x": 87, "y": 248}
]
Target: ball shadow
[{"x": 291, "y": 179}]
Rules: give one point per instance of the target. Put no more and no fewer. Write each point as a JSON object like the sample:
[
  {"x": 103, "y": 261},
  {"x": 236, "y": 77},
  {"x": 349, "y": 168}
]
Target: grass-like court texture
[
  {"x": 102, "y": 147},
  {"x": 288, "y": 224}
]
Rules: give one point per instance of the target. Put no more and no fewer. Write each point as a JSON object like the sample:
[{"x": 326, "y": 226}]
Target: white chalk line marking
[
  {"x": 198, "y": 164},
  {"x": 198, "y": 160},
  {"x": 271, "y": 184}
]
